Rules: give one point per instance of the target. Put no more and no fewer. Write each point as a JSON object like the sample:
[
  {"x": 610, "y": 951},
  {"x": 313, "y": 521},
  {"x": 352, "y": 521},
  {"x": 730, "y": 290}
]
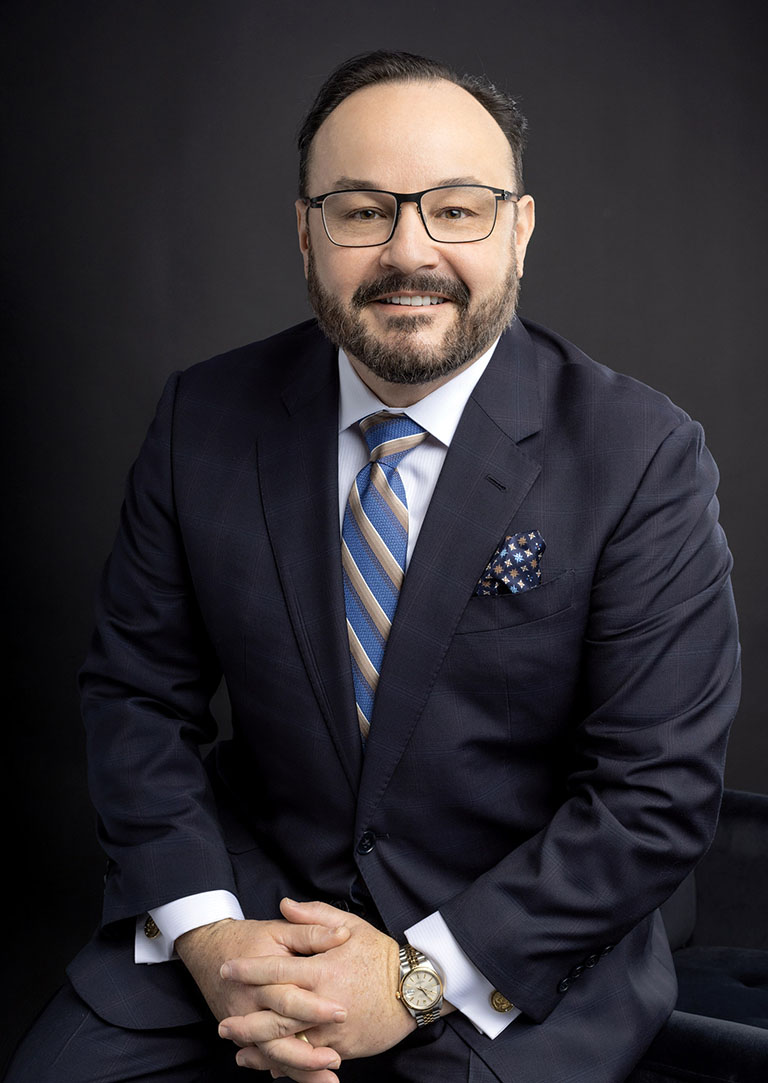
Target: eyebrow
[{"x": 355, "y": 183}]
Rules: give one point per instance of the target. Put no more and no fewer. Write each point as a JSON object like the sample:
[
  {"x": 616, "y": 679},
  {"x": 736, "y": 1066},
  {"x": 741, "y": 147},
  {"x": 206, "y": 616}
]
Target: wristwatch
[{"x": 421, "y": 987}]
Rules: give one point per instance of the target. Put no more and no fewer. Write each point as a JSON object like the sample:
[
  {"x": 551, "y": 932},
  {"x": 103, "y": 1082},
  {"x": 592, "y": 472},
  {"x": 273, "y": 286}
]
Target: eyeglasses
[{"x": 451, "y": 214}]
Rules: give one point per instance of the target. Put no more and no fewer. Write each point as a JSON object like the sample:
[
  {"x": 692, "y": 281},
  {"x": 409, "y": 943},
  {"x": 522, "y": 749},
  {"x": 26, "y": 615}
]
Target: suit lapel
[
  {"x": 483, "y": 481},
  {"x": 298, "y": 475}
]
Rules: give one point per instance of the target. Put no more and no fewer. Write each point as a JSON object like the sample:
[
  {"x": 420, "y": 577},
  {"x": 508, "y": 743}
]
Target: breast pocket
[{"x": 494, "y": 613}]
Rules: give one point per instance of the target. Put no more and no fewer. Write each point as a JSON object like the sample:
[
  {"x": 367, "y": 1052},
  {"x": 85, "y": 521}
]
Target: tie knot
[{"x": 390, "y": 434}]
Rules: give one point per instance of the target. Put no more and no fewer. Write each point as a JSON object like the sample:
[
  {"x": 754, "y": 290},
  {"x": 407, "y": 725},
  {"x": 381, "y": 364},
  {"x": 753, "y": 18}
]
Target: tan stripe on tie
[
  {"x": 387, "y": 493},
  {"x": 392, "y": 447},
  {"x": 364, "y": 664},
  {"x": 363, "y": 723}
]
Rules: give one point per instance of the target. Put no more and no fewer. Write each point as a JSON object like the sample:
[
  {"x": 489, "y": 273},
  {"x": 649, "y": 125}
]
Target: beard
[{"x": 399, "y": 357}]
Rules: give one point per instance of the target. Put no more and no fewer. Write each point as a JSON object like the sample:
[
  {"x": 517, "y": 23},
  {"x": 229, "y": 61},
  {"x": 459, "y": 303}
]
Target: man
[{"x": 479, "y": 778}]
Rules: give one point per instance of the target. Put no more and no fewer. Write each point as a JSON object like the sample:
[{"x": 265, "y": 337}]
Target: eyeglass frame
[{"x": 503, "y": 195}]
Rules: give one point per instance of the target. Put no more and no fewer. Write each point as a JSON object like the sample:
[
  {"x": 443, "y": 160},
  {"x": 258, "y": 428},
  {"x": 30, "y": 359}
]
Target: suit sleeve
[
  {"x": 659, "y": 689},
  {"x": 146, "y": 687}
]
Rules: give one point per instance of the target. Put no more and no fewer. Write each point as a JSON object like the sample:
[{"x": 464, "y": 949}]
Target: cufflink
[
  {"x": 499, "y": 1002},
  {"x": 150, "y": 929}
]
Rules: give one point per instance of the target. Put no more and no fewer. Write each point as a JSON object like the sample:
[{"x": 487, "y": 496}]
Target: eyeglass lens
[{"x": 464, "y": 213}]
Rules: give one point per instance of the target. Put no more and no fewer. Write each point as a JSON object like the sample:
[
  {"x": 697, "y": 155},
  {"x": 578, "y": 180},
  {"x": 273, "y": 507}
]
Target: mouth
[
  {"x": 412, "y": 300},
  {"x": 411, "y": 292}
]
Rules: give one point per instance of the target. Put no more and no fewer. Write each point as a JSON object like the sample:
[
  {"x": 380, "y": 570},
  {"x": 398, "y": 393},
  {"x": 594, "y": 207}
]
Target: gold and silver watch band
[{"x": 411, "y": 959}]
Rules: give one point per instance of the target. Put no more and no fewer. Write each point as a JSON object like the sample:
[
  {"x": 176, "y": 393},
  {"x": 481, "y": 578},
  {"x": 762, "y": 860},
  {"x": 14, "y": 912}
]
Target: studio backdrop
[{"x": 150, "y": 174}]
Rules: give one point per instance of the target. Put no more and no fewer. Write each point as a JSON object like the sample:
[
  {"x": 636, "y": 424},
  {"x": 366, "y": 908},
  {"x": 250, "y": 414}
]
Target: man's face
[{"x": 406, "y": 137}]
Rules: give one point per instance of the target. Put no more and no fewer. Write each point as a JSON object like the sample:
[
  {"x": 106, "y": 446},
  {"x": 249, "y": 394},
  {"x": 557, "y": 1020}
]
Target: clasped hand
[{"x": 328, "y": 975}]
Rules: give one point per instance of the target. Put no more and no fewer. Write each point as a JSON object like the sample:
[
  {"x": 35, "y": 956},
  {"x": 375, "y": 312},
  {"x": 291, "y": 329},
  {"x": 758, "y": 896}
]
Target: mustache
[{"x": 452, "y": 288}]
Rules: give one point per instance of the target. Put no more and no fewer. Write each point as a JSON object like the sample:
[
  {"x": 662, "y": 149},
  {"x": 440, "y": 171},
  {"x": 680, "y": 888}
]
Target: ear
[
  {"x": 526, "y": 220},
  {"x": 302, "y": 227}
]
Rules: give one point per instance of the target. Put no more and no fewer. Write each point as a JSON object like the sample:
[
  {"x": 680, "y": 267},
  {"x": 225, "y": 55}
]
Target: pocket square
[{"x": 515, "y": 566}]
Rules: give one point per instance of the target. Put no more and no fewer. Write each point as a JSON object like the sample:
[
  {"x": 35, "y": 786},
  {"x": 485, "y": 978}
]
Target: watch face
[{"x": 421, "y": 989}]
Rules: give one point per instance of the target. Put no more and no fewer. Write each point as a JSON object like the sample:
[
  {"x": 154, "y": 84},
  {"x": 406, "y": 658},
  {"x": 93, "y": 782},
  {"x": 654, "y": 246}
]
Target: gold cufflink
[
  {"x": 499, "y": 1002},
  {"x": 150, "y": 929}
]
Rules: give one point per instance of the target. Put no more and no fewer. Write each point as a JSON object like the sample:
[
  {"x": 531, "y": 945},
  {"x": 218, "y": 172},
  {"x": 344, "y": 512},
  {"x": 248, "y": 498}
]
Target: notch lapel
[
  {"x": 298, "y": 476},
  {"x": 483, "y": 481}
]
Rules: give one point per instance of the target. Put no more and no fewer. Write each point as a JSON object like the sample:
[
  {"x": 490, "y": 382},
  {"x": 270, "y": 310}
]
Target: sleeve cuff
[
  {"x": 465, "y": 987},
  {"x": 178, "y": 917}
]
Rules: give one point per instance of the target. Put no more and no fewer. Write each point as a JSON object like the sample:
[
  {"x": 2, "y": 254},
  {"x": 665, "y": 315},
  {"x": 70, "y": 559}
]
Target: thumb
[
  {"x": 310, "y": 913},
  {"x": 311, "y": 939},
  {"x": 306, "y": 937}
]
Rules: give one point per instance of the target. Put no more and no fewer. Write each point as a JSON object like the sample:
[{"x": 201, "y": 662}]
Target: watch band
[{"x": 411, "y": 959}]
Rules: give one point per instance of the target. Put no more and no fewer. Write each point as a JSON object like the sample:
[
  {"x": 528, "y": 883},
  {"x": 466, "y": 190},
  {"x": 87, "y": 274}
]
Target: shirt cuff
[
  {"x": 177, "y": 917},
  {"x": 465, "y": 987}
]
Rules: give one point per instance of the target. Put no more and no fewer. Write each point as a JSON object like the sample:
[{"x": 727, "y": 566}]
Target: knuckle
[
  {"x": 275, "y": 1054},
  {"x": 283, "y": 1006},
  {"x": 271, "y": 1050},
  {"x": 266, "y": 1053},
  {"x": 283, "y": 1028}
]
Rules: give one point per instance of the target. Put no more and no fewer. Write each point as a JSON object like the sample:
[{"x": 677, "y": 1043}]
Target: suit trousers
[{"x": 69, "y": 1043}]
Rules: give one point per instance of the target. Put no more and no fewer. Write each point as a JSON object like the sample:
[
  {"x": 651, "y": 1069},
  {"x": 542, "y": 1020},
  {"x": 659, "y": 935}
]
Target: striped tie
[{"x": 374, "y": 546}]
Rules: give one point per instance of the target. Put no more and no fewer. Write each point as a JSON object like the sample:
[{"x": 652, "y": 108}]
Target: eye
[
  {"x": 366, "y": 214},
  {"x": 454, "y": 214}
]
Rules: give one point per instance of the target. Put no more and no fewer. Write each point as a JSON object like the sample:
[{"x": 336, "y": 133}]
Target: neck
[{"x": 401, "y": 395}]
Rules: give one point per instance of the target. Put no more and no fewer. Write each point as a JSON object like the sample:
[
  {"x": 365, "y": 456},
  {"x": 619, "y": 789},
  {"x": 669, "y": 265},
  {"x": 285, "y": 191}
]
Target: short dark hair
[{"x": 382, "y": 66}]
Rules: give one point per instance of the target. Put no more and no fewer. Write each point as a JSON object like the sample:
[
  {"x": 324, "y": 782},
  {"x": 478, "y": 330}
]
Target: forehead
[{"x": 407, "y": 136}]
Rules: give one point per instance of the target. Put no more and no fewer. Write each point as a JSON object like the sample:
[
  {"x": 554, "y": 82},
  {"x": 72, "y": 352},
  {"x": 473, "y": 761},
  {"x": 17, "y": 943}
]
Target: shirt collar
[{"x": 438, "y": 413}]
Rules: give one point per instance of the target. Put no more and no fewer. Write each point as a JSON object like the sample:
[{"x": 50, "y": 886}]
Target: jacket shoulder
[
  {"x": 583, "y": 387},
  {"x": 249, "y": 372}
]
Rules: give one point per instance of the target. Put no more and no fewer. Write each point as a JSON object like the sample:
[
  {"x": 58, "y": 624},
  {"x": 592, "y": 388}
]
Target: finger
[
  {"x": 309, "y": 913},
  {"x": 300, "y": 1055},
  {"x": 289, "y": 1054},
  {"x": 284, "y": 1021},
  {"x": 271, "y": 970},
  {"x": 292, "y": 1003},
  {"x": 257, "y": 1027},
  {"x": 254, "y": 1058},
  {"x": 310, "y": 937}
]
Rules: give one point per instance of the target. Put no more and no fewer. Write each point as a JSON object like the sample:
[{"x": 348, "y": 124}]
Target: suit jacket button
[
  {"x": 367, "y": 842},
  {"x": 564, "y": 986},
  {"x": 607, "y": 950},
  {"x": 591, "y": 960},
  {"x": 150, "y": 929},
  {"x": 576, "y": 972}
]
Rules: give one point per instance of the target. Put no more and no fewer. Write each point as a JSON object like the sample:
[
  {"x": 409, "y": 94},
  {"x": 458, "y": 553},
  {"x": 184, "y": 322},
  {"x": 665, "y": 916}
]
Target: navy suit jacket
[{"x": 544, "y": 768}]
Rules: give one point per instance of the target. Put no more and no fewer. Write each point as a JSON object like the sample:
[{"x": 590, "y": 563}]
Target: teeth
[{"x": 414, "y": 300}]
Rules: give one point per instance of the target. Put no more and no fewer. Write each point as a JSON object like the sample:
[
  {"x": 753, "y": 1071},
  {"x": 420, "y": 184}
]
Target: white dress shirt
[{"x": 439, "y": 414}]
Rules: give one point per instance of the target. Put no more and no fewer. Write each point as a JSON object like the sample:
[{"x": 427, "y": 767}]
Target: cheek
[
  {"x": 484, "y": 266},
  {"x": 343, "y": 270},
  {"x": 492, "y": 272},
  {"x": 480, "y": 276}
]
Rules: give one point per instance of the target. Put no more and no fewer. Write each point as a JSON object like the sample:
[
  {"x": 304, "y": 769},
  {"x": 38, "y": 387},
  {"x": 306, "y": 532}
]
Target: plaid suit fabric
[{"x": 562, "y": 738}]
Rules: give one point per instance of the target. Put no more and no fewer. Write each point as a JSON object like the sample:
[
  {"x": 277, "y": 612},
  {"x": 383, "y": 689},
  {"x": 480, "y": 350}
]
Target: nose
[{"x": 410, "y": 247}]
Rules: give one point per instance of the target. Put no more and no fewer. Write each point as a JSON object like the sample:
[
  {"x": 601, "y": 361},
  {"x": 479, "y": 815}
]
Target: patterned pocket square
[{"x": 514, "y": 567}]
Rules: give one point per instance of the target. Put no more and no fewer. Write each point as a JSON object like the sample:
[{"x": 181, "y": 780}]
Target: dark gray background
[{"x": 150, "y": 178}]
